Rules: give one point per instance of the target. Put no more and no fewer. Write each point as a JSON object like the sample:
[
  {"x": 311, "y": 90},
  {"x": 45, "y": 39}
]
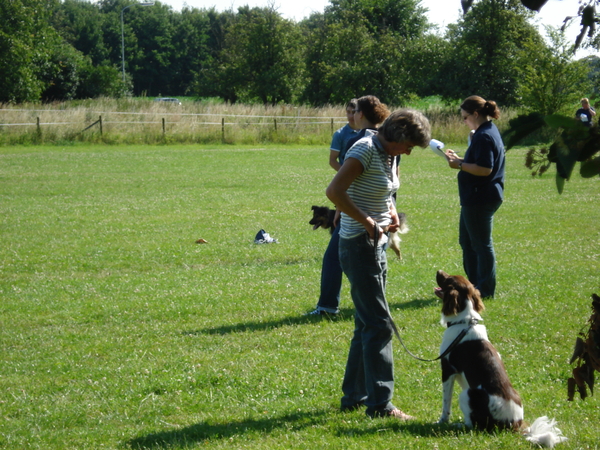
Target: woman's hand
[
  {"x": 458, "y": 163},
  {"x": 453, "y": 160},
  {"x": 370, "y": 226},
  {"x": 395, "y": 225}
]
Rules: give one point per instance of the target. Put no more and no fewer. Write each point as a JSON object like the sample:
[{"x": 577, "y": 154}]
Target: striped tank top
[{"x": 372, "y": 190}]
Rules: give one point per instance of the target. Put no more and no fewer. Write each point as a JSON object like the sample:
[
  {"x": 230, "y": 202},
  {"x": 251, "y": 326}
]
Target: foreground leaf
[
  {"x": 560, "y": 183},
  {"x": 534, "y": 5},
  {"x": 560, "y": 121},
  {"x": 521, "y": 127},
  {"x": 590, "y": 168}
]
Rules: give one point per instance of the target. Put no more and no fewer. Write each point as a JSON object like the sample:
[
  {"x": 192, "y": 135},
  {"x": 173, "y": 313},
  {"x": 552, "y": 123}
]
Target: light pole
[{"x": 123, "y": 33}]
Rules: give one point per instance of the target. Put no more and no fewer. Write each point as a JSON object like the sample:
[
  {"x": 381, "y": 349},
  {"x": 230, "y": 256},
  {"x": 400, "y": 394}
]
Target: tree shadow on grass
[
  {"x": 345, "y": 314},
  {"x": 214, "y": 430}
]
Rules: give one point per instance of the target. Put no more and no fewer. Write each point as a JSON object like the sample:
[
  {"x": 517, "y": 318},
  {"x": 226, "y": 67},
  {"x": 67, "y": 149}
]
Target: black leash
[
  {"x": 455, "y": 342},
  {"x": 451, "y": 347}
]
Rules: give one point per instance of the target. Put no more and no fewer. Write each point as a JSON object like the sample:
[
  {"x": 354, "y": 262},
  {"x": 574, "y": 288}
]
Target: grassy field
[{"x": 118, "y": 331}]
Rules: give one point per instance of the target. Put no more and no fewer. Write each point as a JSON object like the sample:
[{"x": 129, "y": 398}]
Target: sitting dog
[
  {"x": 323, "y": 218},
  {"x": 488, "y": 399}
]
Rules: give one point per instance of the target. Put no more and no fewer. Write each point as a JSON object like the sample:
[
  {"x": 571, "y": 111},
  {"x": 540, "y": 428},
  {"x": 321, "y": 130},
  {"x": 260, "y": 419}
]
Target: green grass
[{"x": 118, "y": 331}]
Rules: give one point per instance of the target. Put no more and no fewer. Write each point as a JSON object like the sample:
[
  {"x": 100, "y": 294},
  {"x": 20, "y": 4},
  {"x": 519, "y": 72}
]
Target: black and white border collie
[{"x": 488, "y": 400}]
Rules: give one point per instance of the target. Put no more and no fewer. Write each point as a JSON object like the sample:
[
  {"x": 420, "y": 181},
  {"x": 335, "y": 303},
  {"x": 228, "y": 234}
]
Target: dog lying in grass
[
  {"x": 323, "y": 218},
  {"x": 488, "y": 399}
]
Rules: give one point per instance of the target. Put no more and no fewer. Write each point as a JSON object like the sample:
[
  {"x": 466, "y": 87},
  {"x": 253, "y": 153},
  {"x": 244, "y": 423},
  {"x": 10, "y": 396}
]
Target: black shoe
[
  {"x": 353, "y": 407},
  {"x": 320, "y": 312}
]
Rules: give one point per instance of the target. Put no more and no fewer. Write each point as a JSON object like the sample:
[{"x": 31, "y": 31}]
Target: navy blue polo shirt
[{"x": 486, "y": 150}]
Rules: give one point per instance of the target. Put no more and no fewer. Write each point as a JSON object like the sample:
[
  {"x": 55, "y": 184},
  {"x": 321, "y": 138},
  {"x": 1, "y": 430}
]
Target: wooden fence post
[
  {"x": 100, "y": 122},
  {"x": 275, "y": 123},
  {"x": 163, "y": 121},
  {"x": 223, "y": 129},
  {"x": 39, "y": 130},
  {"x": 332, "y": 125}
]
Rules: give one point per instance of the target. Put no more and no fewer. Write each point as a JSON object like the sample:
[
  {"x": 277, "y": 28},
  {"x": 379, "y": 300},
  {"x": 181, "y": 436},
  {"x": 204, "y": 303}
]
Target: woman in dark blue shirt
[
  {"x": 585, "y": 113},
  {"x": 481, "y": 191}
]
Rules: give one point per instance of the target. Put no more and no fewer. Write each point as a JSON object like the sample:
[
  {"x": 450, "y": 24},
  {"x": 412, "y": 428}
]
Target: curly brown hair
[
  {"x": 407, "y": 125},
  {"x": 372, "y": 108}
]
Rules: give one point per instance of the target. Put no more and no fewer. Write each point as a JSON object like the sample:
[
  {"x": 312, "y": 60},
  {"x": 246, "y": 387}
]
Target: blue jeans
[
  {"x": 369, "y": 376},
  {"x": 475, "y": 238},
  {"x": 331, "y": 276}
]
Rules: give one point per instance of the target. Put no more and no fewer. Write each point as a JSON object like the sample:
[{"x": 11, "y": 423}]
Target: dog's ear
[
  {"x": 475, "y": 297},
  {"x": 441, "y": 278},
  {"x": 450, "y": 302},
  {"x": 314, "y": 208}
]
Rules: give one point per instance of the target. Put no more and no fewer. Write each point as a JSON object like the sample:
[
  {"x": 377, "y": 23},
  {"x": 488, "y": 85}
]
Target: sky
[{"x": 441, "y": 12}]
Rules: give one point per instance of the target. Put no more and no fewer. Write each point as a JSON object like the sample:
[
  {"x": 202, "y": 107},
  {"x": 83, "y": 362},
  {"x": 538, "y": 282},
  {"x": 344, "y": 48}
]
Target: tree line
[{"x": 53, "y": 50}]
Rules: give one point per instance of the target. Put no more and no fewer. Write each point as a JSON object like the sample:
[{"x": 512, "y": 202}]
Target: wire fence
[
  {"x": 139, "y": 121},
  {"x": 72, "y": 123}
]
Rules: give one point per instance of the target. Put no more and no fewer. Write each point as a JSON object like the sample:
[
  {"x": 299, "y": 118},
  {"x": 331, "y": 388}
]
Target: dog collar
[{"x": 472, "y": 322}]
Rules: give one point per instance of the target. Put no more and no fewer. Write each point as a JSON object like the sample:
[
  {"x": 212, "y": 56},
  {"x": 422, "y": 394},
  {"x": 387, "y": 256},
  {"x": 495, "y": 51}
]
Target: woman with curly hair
[
  {"x": 362, "y": 190},
  {"x": 481, "y": 191}
]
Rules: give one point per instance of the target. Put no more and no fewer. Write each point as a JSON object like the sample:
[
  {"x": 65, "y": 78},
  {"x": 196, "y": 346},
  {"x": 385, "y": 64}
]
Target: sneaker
[
  {"x": 399, "y": 414},
  {"x": 320, "y": 312},
  {"x": 395, "y": 413}
]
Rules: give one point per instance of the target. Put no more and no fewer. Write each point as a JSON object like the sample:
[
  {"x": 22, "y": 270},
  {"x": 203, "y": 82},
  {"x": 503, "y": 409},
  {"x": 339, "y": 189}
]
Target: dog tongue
[{"x": 315, "y": 226}]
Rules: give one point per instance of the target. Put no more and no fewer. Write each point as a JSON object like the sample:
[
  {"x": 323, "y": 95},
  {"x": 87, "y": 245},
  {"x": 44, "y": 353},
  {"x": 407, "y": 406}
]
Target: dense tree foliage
[
  {"x": 492, "y": 47},
  {"x": 552, "y": 82},
  {"x": 399, "y": 17},
  {"x": 24, "y": 48},
  {"x": 81, "y": 24},
  {"x": 260, "y": 59},
  {"x": 56, "y": 50},
  {"x": 366, "y": 46}
]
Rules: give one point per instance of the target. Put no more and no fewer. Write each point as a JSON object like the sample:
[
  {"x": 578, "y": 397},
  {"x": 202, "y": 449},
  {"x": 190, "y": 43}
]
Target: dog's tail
[
  {"x": 403, "y": 229},
  {"x": 544, "y": 432}
]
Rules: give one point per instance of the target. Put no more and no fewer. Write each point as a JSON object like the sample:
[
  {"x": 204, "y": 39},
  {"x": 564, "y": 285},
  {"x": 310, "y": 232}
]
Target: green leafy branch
[{"x": 574, "y": 142}]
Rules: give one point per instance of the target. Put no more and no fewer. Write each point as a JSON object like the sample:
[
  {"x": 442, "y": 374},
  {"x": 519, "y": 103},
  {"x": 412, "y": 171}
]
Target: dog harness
[{"x": 455, "y": 342}]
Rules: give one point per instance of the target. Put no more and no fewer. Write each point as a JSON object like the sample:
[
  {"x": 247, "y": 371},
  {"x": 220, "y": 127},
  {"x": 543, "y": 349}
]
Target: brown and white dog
[
  {"x": 488, "y": 400},
  {"x": 323, "y": 218}
]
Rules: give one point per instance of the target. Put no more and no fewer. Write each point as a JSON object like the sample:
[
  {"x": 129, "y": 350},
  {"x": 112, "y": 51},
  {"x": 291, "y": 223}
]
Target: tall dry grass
[
  {"x": 143, "y": 121},
  {"x": 448, "y": 126}
]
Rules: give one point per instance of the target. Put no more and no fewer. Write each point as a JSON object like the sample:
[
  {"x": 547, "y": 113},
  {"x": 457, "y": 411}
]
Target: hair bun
[{"x": 491, "y": 109}]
